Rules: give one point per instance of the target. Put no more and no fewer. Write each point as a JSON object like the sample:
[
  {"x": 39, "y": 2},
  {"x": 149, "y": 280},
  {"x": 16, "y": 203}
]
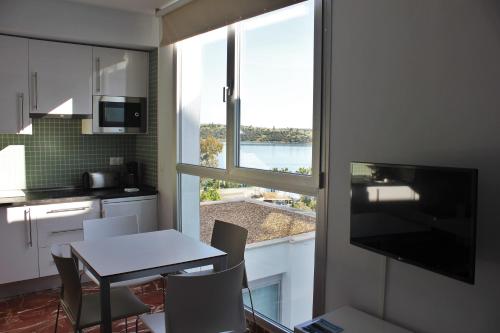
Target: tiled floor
[{"x": 36, "y": 313}]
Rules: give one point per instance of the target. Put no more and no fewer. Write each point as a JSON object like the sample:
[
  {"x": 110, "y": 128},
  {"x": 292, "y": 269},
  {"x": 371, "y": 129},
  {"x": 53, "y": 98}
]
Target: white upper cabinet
[
  {"x": 120, "y": 72},
  {"x": 60, "y": 79},
  {"x": 14, "y": 95}
]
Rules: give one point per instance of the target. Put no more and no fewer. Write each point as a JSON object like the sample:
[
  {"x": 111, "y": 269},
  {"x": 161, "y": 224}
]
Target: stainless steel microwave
[{"x": 117, "y": 115}]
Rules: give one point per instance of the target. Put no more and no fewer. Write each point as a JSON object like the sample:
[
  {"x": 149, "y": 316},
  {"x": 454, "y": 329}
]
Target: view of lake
[{"x": 272, "y": 155}]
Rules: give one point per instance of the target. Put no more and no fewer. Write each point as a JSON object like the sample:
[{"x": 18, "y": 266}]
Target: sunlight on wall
[{"x": 12, "y": 168}]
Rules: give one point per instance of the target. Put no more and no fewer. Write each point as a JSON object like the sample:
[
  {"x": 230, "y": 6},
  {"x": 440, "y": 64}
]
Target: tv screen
[{"x": 425, "y": 216}]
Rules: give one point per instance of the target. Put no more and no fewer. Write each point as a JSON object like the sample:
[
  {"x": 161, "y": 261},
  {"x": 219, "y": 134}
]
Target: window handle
[{"x": 226, "y": 92}]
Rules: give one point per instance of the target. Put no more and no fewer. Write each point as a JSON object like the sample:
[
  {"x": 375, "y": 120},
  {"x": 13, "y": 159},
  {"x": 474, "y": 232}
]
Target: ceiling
[{"x": 141, "y": 6}]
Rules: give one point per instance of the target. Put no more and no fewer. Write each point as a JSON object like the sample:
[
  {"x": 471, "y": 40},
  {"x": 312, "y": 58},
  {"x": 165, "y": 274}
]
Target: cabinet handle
[
  {"x": 98, "y": 74},
  {"x": 27, "y": 212},
  {"x": 65, "y": 231},
  {"x": 55, "y": 211},
  {"x": 35, "y": 90},
  {"x": 20, "y": 119}
]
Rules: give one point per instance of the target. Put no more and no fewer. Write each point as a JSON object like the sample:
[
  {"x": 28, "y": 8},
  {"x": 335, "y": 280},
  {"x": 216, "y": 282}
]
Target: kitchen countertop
[{"x": 58, "y": 195}]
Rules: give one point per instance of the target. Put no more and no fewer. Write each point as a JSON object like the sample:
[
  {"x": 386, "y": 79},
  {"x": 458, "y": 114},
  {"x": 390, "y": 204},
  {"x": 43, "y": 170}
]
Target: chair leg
[
  {"x": 137, "y": 324},
  {"x": 57, "y": 316},
  {"x": 126, "y": 325}
]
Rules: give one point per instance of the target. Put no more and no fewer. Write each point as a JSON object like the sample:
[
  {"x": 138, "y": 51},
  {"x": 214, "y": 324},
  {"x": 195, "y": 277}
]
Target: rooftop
[{"x": 264, "y": 221}]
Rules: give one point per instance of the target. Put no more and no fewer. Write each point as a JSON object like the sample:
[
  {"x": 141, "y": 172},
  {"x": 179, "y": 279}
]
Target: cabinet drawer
[{"x": 63, "y": 223}]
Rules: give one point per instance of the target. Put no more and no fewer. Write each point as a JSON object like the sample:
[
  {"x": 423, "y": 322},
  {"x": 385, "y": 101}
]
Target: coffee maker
[{"x": 132, "y": 174}]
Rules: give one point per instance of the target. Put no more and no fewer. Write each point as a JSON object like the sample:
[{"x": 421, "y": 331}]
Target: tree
[
  {"x": 304, "y": 171},
  {"x": 305, "y": 203},
  {"x": 210, "y": 194},
  {"x": 210, "y": 189},
  {"x": 210, "y": 148}
]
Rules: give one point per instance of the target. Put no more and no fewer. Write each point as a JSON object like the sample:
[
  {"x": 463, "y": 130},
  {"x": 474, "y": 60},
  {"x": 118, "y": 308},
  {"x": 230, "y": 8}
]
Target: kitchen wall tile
[{"x": 147, "y": 144}]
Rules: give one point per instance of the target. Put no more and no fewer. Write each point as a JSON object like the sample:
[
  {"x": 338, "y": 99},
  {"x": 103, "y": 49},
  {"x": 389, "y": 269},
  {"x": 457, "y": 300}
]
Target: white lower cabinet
[
  {"x": 27, "y": 233},
  {"x": 18, "y": 245},
  {"x": 61, "y": 223},
  {"x": 145, "y": 208}
]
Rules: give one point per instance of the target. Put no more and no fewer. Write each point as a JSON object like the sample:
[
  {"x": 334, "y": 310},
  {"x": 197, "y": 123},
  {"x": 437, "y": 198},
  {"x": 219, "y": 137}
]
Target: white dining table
[{"x": 134, "y": 256}]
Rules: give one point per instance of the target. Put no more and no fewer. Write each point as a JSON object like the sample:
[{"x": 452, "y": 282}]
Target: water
[{"x": 267, "y": 156}]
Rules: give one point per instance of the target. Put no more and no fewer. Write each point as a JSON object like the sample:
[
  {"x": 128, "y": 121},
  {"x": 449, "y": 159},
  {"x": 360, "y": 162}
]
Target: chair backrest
[
  {"x": 110, "y": 227},
  {"x": 71, "y": 289},
  {"x": 205, "y": 303},
  {"x": 230, "y": 238}
]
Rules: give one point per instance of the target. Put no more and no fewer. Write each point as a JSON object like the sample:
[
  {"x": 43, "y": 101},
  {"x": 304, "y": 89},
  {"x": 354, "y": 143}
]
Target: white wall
[
  {"x": 167, "y": 174},
  {"x": 74, "y": 22},
  {"x": 416, "y": 82}
]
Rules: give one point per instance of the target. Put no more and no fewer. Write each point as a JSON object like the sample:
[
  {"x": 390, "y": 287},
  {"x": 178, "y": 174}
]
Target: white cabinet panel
[
  {"x": 14, "y": 93},
  {"x": 61, "y": 78},
  {"x": 144, "y": 207},
  {"x": 120, "y": 72},
  {"x": 46, "y": 262},
  {"x": 18, "y": 245},
  {"x": 63, "y": 222}
]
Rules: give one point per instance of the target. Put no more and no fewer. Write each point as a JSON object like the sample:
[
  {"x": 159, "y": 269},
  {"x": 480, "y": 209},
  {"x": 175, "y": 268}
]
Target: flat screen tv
[{"x": 421, "y": 215}]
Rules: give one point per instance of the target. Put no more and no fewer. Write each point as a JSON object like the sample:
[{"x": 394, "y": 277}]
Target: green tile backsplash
[
  {"x": 57, "y": 153},
  {"x": 146, "y": 151}
]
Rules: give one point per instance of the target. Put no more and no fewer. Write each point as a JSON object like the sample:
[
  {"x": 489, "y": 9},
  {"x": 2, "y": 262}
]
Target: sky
[{"x": 276, "y": 70}]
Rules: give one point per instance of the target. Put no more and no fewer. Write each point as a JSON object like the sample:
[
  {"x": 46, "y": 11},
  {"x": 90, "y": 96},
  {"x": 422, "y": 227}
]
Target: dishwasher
[{"x": 145, "y": 207}]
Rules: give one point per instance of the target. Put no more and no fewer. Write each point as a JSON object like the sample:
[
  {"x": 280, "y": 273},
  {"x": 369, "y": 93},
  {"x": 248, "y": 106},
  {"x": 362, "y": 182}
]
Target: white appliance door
[{"x": 144, "y": 207}]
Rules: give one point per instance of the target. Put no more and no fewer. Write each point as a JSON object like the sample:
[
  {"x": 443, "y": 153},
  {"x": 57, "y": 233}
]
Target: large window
[
  {"x": 279, "y": 255},
  {"x": 276, "y": 90},
  {"x": 249, "y": 152},
  {"x": 202, "y": 122}
]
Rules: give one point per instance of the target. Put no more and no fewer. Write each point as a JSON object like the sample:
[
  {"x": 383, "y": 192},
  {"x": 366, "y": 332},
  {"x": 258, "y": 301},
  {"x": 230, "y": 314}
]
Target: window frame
[
  {"x": 316, "y": 184},
  {"x": 292, "y": 182}
]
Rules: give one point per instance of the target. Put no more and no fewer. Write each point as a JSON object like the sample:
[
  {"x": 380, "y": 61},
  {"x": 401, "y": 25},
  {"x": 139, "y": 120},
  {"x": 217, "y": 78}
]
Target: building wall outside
[{"x": 293, "y": 259}]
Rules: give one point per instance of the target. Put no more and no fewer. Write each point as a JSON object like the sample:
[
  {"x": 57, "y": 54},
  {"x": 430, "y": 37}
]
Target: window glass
[
  {"x": 267, "y": 299},
  {"x": 281, "y": 237},
  {"x": 202, "y": 122},
  {"x": 276, "y": 90}
]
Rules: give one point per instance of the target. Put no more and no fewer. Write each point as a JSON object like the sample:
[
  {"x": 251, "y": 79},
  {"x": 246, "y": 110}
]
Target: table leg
[
  {"x": 105, "y": 306},
  {"x": 75, "y": 258}
]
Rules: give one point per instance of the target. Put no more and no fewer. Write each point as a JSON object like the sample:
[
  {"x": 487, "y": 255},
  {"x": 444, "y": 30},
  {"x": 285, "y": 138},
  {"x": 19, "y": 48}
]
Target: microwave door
[
  {"x": 111, "y": 114},
  {"x": 119, "y": 115}
]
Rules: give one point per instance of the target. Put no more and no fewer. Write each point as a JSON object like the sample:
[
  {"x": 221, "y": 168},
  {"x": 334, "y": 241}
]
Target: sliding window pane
[
  {"x": 279, "y": 254},
  {"x": 276, "y": 90},
  {"x": 202, "y": 121}
]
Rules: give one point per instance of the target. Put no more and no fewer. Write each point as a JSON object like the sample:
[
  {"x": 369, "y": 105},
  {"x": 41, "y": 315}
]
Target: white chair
[
  {"x": 206, "y": 303},
  {"x": 97, "y": 229}
]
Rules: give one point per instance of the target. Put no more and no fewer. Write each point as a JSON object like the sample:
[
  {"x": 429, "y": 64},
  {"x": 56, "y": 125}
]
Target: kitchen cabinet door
[
  {"x": 120, "y": 72},
  {"x": 14, "y": 95},
  {"x": 61, "y": 223},
  {"x": 61, "y": 79},
  {"x": 18, "y": 245},
  {"x": 145, "y": 208}
]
